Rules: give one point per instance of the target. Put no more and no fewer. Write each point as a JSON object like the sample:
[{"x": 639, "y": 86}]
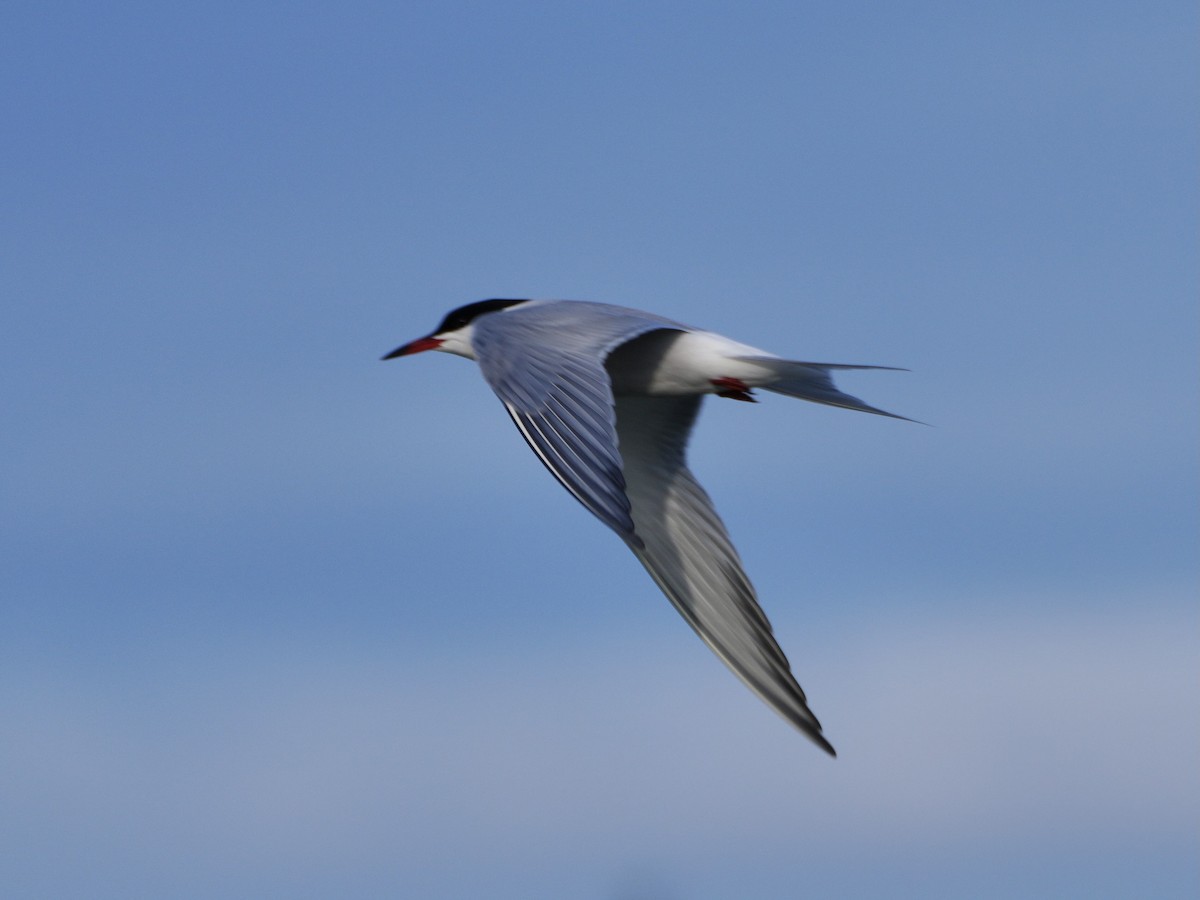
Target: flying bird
[{"x": 607, "y": 397}]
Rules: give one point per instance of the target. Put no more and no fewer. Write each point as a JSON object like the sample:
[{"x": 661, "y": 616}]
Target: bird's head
[{"x": 453, "y": 335}]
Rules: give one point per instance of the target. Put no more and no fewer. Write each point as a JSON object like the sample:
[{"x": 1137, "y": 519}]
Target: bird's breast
[{"x": 672, "y": 363}]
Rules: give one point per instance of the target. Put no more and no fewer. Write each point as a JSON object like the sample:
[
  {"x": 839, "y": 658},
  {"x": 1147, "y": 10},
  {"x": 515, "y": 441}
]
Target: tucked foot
[{"x": 733, "y": 388}]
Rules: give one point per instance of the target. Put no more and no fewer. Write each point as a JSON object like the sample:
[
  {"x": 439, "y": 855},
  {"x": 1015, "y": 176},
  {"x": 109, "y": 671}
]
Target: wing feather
[
  {"x": 559, "y": 394},
  {"x": 624, "y": 460},
  {"x": 687, "y": 551}
]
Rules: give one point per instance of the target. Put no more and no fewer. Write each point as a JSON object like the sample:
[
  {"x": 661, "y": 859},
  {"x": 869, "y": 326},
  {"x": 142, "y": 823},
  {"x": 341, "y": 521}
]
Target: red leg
[{"x": 734, "y": 389}]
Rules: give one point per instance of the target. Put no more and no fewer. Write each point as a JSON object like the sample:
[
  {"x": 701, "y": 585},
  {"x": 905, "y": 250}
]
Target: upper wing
[
  {"x": 685, "y": 548},
  {"x": 546, "y": 363},
  {"x": 572, "y": 433}
]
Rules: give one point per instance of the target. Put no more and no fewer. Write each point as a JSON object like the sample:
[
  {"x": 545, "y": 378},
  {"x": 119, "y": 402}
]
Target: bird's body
[{"x": 606, "y": 397}]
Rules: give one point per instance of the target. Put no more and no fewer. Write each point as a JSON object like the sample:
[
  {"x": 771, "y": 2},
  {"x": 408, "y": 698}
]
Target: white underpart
[
  {"x": 458, "y": 342},
  {"x": 697, "y": 358}
]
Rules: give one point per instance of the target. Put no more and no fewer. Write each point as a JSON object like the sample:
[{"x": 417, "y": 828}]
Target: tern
[{"x": 607, "y": 397}]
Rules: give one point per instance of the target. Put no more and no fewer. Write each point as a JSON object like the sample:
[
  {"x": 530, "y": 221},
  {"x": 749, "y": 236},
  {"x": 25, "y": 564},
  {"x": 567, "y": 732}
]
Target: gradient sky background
[{"x": 279, "y": 620}]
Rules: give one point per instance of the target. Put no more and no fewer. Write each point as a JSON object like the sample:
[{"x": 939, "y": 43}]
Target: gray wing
[
  {"x": 546, "y": 363},
  {"x": 686, "y": 550}
]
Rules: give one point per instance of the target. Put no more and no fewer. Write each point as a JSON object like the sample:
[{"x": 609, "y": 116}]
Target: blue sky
[{"x": 280, "y": 620}]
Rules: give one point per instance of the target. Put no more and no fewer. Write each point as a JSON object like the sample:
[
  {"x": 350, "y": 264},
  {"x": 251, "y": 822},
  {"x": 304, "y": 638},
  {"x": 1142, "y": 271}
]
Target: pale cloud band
[{"x": 569, "y": 768}]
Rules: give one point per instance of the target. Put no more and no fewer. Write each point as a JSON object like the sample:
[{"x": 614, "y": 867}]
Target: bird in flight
[{"x": 607, "y": 397}]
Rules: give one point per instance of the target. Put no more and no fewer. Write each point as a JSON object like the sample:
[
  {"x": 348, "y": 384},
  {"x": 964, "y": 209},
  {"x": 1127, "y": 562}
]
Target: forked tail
[{"x": 814, "y": 381}]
